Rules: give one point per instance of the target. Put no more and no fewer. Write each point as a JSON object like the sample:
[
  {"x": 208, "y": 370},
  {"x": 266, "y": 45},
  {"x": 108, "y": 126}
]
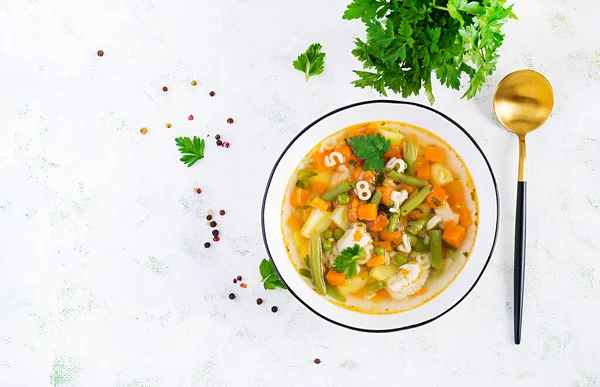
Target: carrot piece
[
  {"x": 456, "y": 193},
  {"x": 385, "y": 245},
  {"x": 465, "y": 218},
  {"x": 436, "y": 198},
  {"x": 319, "y": 187},
  {"x": 379, "y": 224},
  {"x": 377, "y": 260},
  {"x": 369, "y": 176},
  {"x": 294, "y": 222},
  {"x": 319, "y": 161},
  {"x": 360, "y": 293},
  {"x": 381, "y": 295},
  {"x": 419, "y": 292},
  {"x": 387, "y": 236},
  {"x": 345, "y": 151},
  {"x": 453, "y": 234},
  {"x": 423, "y": 170},
  {"x": 394, "y": 151},
  {"x": 367, "y": 211},
  {"x": 415, "y": 214},
  {"x": 386, "y": 194},
  {"x": 434, "y": 154},
  {"x": 299, "y": 197},
  {"x": 354, "y": 203},
  {"x": 336, "y": 279},
  {"x": 371, "y": 128},
  {"x": 319, "y": 204},
  {"x": 352, "y": 215}
]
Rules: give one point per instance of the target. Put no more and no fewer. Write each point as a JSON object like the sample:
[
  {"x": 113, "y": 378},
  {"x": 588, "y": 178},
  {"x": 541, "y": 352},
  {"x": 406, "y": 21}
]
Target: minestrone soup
[{"x": 380, "y": 217}]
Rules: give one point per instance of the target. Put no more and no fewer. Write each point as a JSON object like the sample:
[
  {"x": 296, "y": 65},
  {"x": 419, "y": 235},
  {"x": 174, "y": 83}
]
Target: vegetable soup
[{"x": 380, "y": 217}]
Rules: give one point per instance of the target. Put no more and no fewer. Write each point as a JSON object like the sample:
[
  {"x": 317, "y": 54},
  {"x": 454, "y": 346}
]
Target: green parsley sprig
[
  {"x": 312, "y": 62},
  {"x": 346, "y": 261},
  {"x": 270, "y": 279},
  {"x": 191, "y": 149},
  {"x": 371, "y": 149},
  {"x": 410, "y": 41}
]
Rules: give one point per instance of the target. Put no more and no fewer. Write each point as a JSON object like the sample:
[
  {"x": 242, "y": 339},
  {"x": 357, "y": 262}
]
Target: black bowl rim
[{"x": 367, "y": 103}]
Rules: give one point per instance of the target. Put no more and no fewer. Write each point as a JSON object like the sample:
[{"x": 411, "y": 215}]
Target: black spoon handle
[{"x": 520, "y": 231}]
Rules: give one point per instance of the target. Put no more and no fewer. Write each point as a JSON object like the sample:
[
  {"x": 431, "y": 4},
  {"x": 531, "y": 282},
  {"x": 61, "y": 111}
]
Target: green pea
[
  {"x": 400, "y": 259},
  {"x": 327, "y": 245},
  {"x": 338, "y": 234},
  {"x": 379, "y": 250},
  {"x": 343, "y": 199},
  {"x": 328, "y": 233}
]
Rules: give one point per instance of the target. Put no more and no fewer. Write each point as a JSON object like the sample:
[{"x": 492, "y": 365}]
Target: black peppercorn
[
  {"x": 219, "y": 142},
  {"x": 208, "y": 217},
  {"x": 207, "y": 245},
  {"x": 212, "y": 93},
  {"x": 234, "y": 281},
  {"x": 239, "y": 277},
  {"x": 213, "y": 224},
  {"x": 222, "y": 212},
  {"x": 231, "y": 296},
  {"x": 274, "y": 309},
  {"x": 259, "y": 301},
  {"x": 317, "y": 361},
  {"x": 215, "y": 232},
  {"x": 230, "y": 120}
]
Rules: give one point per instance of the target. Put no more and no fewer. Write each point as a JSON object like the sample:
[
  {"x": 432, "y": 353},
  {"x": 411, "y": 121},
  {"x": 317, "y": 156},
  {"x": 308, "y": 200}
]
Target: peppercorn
[
  {"x": 100, "y": 53},
  {"x": 234, "y": 281},
  {"x": 219, "y": 142},
  {"x": 213, "y": 224},
  {"x": 259, "y": 301},
  {"x": 168, "y": 125},
  {"x": 207, "y": 245},
  {"x": 191, "y": 117},
  {"x": 317, "y": 361},
  {"x": 218, "y": 137},
  {"x": 212, "y": 93},
  {"x": 244, "y": 286},
  {"x": 209, "y": 217},
  {"x": 274, "y": 309},
  {"x": 215, "y": 232},
  {"x": 165, "y": 88},
  {"x": 194, "y": 83},
  {"x": 239, "y": 277},
  {"x": 222, "y": 212},
  {"x": 143, "y": 130},
  {"x": 216, "y": 238},
  {"x": 198, "y": 191},
  {"x": 230, "y": 120},
  {"x": 227, "y": 144},
  {"x": 231, "y": 296}
]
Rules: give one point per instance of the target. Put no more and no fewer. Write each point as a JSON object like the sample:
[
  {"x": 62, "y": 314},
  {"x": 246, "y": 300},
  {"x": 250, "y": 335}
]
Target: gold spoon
[{"x": 522, "y": 102}]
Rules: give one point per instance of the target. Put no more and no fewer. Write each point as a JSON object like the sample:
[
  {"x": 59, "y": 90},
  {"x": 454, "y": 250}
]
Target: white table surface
[{"x": 104, "y": 280}]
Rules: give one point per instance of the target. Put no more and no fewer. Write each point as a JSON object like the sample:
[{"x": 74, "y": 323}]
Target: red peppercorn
[
  {"x": 190, "y": 117},
  {"x": 198, "y": 190},
  {"x": 226, "y": 144},
  {"x": 216, "y": 239},
  {"x": 222, "y": 212}
]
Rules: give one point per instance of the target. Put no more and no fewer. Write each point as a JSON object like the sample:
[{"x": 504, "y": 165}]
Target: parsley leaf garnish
[
  {"x": 411, "y": 41},
  {"x": 346, "y": 261},
  {"x": 270, "y": 279},
  {"x": 192, "y": 150},
  {"x": 371, "y": 149},
  {"x": 312, "y": 62}
]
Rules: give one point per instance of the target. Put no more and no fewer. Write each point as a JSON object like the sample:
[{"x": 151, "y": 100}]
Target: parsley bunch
[
  {"x": 371, "y": 149},
  {"x": 409, "y": 41},
  {"x": 346, "y": 261}
]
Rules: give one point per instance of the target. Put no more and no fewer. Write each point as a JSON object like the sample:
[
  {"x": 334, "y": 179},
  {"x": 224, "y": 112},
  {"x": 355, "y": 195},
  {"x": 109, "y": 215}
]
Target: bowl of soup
[{"x": 381, "y": 215}]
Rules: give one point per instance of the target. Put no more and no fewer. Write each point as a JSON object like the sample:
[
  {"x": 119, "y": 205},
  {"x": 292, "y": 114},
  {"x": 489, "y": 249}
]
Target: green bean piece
[
  {"x": 435, "y": 247},
  {"x": 327, "y": 245},
  {"x": 335, "y": 293},
  {"x": 379, "y": 250},
  {"x": 415, "y": 201},
  {"x": 376, "y": 198},
  {"x": 316, "y": 263},
  {"x": 449, "y": 253},
  {"x": 435, "y": 272},
  {"x": 417, "y": 243},
  {"x": 375, "y": 286},
  {"x": 303, "y": 184},
  {"x": 410, "y": 156},
  {"x": 401, "y": 259},
  {"x": 407, "y": 179},
  {"x": 305, "y": 273},
  {"x": 331, "y": 195},
  {"x": 338, "y": 233},
  {"x": 304, "y": 174},
  {"x": 343, "y": 199},
  {"x": 417, "y": 226},
  {"x": 394, "y": 220},
  {"x": 328, "y": 233}
]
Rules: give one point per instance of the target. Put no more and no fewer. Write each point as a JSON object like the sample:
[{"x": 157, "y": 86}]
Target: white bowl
[{"x": 383, "y": 110}]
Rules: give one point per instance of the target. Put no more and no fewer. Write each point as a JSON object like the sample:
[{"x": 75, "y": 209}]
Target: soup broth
[{"x": 380, "y": 217}]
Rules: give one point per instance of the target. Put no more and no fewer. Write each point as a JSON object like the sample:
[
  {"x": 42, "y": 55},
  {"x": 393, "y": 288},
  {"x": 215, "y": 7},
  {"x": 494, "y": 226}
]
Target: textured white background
[{"x": 103, "y": 277}]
